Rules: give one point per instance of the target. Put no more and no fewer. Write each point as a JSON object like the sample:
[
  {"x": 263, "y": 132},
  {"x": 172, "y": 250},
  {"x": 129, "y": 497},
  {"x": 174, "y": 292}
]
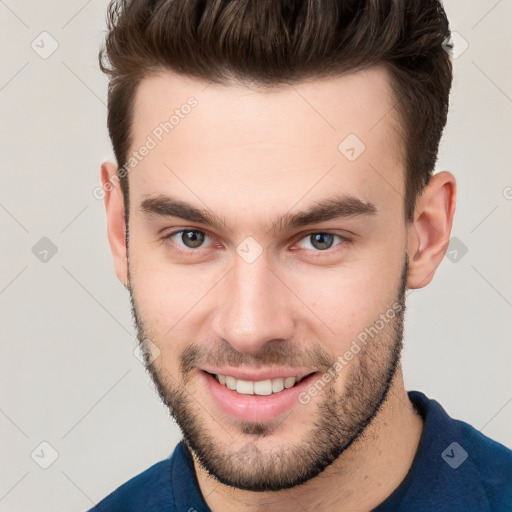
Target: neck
[{"x": 359, "y": 480}]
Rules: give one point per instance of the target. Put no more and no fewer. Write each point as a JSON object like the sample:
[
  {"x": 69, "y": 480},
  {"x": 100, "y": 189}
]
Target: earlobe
[
  {"x": 116, "y": 227},
  {"x": 429, "y": 233}
]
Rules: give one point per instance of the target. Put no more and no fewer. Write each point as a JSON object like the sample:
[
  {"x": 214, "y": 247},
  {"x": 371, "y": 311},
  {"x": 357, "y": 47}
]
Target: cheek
[
  {"x": 347, "y": 300},
  {"x": 169, "y": 297},
  {"x": 164, "y": 299}
]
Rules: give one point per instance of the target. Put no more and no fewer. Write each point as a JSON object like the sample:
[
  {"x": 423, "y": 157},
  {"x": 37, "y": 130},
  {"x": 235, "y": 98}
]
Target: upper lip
[{"x": 257, "y": 374}]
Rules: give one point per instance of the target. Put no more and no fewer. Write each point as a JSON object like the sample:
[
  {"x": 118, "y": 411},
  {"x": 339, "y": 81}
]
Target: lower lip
[{"x": 254, "y": 408}]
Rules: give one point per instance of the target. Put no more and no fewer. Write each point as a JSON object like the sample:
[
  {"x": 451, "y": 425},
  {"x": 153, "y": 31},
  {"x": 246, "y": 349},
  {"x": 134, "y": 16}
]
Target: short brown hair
[{"x": 274, "y": 42}]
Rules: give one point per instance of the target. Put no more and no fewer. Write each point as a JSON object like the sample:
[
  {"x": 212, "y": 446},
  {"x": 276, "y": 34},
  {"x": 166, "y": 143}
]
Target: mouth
[
  {"x": 258, "y": 400},
  {"x": 262, "y": 387}
]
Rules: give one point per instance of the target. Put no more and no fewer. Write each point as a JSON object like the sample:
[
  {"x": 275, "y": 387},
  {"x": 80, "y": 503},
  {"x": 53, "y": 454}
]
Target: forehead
[{"x": 287, "y": 144}]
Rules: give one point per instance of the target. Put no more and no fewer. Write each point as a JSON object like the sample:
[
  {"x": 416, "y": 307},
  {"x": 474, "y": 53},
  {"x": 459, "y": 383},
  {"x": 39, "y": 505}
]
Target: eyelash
[{"x": 187, "y": 252}]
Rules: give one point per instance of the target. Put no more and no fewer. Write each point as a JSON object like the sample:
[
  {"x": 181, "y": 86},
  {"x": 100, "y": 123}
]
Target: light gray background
[{"x": 68, "y": 373}]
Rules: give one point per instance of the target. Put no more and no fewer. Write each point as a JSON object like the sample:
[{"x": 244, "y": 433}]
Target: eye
[
  {"x": 321, "y": 241},
  {"x": 188, "y": 239}
]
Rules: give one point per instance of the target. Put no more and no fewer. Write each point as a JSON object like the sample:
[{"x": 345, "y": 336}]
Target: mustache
[{"x": 280, "y": 353}]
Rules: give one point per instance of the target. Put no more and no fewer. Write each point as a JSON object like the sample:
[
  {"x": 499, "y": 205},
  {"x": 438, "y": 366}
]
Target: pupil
[
  {"x": 192, "y": 239},
  {"x": 319, "y": 240}
]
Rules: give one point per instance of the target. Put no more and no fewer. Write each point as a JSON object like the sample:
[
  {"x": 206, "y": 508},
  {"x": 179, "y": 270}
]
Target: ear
[
  {"x": 429, "y": 233},
  {"x": 116, "y": 228}
]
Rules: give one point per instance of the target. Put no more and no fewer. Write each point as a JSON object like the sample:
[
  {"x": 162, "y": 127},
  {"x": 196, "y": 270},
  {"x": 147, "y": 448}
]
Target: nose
[{"x": 254, "y": 307}]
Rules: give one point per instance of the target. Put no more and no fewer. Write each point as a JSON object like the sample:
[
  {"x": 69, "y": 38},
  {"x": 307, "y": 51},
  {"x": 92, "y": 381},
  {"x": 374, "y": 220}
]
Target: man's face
[{"x": 256, "y": 293}]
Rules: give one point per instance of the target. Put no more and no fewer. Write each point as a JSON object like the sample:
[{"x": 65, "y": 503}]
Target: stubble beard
[{"x": 339, "y": 419}]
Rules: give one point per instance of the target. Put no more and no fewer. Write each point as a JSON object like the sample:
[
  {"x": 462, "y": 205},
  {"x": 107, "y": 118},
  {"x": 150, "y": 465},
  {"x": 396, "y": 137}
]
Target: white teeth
[
  {"x": 277, "y": 385},
  {"x": 245, "y": 387},
  {"x": 289, "y": 382},
  {"x": 261, "y": 387},
  {"x": 230, "y": 382}
]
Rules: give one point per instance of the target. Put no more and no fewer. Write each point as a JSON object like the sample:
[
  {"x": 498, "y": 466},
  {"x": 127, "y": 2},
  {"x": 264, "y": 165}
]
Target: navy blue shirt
[{"x": 456, "y": 469}]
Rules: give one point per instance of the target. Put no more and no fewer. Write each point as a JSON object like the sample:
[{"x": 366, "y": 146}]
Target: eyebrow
[{"x": 331, "y": 208}]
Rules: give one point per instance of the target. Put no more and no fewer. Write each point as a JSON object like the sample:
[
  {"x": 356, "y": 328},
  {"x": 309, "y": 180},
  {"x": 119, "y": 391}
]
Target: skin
[{"x": 250, "y": 156}]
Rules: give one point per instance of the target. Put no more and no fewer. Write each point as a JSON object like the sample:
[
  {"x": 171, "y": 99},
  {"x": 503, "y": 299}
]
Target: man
[{"x": 273, "y": 199}]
